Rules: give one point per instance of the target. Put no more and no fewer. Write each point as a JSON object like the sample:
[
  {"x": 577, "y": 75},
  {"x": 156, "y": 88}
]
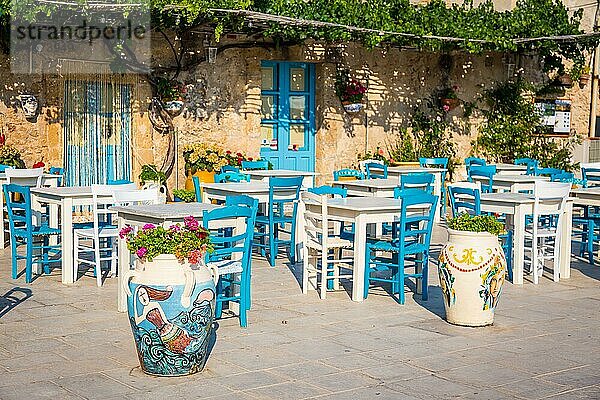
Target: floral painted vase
[
  {"x": 472, "y": 269},
  {"x": 171, "y": 307}
]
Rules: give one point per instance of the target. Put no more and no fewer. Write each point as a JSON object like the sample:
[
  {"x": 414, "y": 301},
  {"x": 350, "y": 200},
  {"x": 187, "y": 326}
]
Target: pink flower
[
  {"x": 141, "y": 252},
  {"x": 446, "y": 107},
  {"x": 125, "y": 231},
  {"x": 191, "y": 223},
  {"x": 148, "y": 226},
  {"x": 175, "y": 228}
]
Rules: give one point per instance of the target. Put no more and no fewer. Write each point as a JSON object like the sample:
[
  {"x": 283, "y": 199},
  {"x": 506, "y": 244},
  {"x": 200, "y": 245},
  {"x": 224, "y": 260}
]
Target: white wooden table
[
  {"x": 64, "y": 198},
  {"x": 517, "y": 206},
  {"x": 514, "y": 183},
  {"x": 48, "y": 180},
  {"x": 383, "y": 188},
  {"x": 510, "y": 169},
  {"x": 264, "y": 175},
  {"x": 361, "y": 211},
  {"x": 157, "y": 214},
  {"x": 587, "y": 196}
]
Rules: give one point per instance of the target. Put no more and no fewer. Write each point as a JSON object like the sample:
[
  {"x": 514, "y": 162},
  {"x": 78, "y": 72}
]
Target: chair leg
[
  {"x": 13, "y": 247},
  {"x": 305, "y": 266},
  {"x": 45, "y": 263},
  {"x": 324, "y": 272},
  {"x": 219, "y": 304},
  {"x": 367, "y": 273},
  {"x": 293, "y": 243},
  {"x": 97, "y": 262},
  {"x": 534, "y": 259},
  {"x": 590, "y": 241},
  {"x": 400, "y": 279},
  {"x": 272, "y": 244},
  {"x": 425, "y": 278},
  {"x": 243, "y": 305},
  {"x": 555, "y": 261},
  {"x": 29, "y": 260}
]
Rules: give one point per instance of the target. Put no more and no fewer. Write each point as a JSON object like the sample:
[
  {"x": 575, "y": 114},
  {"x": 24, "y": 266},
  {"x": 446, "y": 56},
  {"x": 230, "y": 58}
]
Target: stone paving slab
[{"x": 68, "y": 342}]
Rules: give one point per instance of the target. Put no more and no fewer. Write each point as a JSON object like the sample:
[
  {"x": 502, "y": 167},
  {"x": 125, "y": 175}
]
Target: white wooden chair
[
  {"x": 544, "y": 233},
  {"x": 318, "y": 242},
  {"x": 136, "y": 197},
  {"x": 25, "y": 177}
]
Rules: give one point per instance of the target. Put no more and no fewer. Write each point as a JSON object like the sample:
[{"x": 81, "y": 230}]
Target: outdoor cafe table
[
  {"x": 587, "y": 196},
  {"x": 378, "y": 188},
  {"x": 157, "y": 214},
  {"x": 510, "y": 169},
  {"x": 264, "y": 175},
  {"x": 361, "y": 211},
  {"x": 64, "y": 198},
  {"x": 517, "y": 206},
  {"x": 515, "y": 183},
  {"x": 48, "y": 180}
]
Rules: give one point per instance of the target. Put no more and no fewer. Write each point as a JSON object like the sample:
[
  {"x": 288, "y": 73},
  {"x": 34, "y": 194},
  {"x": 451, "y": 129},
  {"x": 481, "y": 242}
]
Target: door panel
[{"x": 288, "y": 120}]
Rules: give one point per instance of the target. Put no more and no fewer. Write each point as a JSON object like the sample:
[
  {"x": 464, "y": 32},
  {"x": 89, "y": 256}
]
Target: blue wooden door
[
  {"x": 288, "y": 115},
  {"x": 97, "y": 128}
]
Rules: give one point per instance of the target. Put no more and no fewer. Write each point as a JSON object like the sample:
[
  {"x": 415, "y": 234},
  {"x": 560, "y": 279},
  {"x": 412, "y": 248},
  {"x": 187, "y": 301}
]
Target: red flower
[
  {"x": 39, "y": 164},
  {"x": 2, "y": 139},
  {"x": 228, "y": 152},
  {"x": 249, "y": 158},
  {"x": 239, "y": 154}
]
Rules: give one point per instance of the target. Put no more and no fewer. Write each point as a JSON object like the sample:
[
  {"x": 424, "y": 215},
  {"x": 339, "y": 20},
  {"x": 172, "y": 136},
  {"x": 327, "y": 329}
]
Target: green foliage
[
  {"x": 378, "y": 155},
  {"x": 347, "y": 88},
  {"x": 403, "y": 149},
  {"x": 512, "y": 128},
  {"x": 151, "y": 173},
  {"x": 9, "y": 155},
  {"x": 476, "y": 223},
  {"x": 188, "y": 196},
  {"x": 168, "y": 89},
  {"x": 189, "y": 241}
]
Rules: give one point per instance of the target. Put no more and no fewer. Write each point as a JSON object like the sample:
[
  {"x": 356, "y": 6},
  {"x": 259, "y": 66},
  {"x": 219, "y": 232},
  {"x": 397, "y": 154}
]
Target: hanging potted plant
[
  {"x": 449, "y": 99},
  {"x": 170, "y": 297},
  {"x": 472, "y": 269},
  {"x": 350, "y": 92},
  {"x": 585, "y": 77},
  {"x": 171, "y": 93}
]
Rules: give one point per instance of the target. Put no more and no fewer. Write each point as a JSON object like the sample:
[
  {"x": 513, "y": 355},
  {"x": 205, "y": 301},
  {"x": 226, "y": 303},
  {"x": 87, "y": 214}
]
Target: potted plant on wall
[
  {"x": 182, "y": 195},
  {"x": 585, "y": 77},
  {"x": 350, "y": 91},
  {"x": 203, "y": 160},
  {"x": 10, "y": 156},
  {"x": 448, "y": 98},
  {"x": 152, "y": 177},
  {"x": 472, "y": 269},
  {"x": 171, "y": 93},
  {"x": 170, "y": 297}
]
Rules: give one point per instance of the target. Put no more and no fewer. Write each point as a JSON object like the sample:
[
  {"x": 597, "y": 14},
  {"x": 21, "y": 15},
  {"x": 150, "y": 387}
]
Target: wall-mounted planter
[
  {"x": 352, "y": 108},
  {"x": 174, "y": 107},
  {"x": 584, "y": 80},
  {"x": 450, "y": 103}
]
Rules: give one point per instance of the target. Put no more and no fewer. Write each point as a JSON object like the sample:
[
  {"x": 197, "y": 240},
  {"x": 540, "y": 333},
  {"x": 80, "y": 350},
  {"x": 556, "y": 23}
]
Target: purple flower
[
  {"x": 148, "y": 226},
  {"x": 141, "y": 252},
  {"x": 125, "y": 231},
  {"x": 175, "y": 228},
  {"x": 191, "y": 223}
]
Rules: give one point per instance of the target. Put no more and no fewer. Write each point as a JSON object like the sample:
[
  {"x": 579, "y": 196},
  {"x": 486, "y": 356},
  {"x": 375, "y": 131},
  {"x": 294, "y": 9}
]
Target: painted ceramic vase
[
  {"x": 472, "y": 269},
  {"x": 171, "y": 307},
  {"x": 352, "y": 108}
]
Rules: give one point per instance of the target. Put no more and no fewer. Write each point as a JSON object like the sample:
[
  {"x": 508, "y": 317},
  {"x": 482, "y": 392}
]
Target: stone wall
[{"x": 223, "y": 104}]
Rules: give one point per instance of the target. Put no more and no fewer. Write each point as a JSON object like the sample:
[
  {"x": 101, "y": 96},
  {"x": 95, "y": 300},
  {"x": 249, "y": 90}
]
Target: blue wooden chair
[
  {"x": 57, "y": 171},
  {"x": 563, "y": 177},
  {"x": 484, "y": 175},
  {"x": 423, "y": 181},
  {"x": 548, "y": 171},
  {"x": 532, "y": 165},
  {"x": 231, "y": 258},
  {"x": 586, "y": 226},
  {"x": 229, "y": 168},
  {"x": 347, "y": 174},
  {"x": 376, "y": 170},
  {"x": 255, "y": 165},
  {"x": 590, "y": 176},
  {"x": 118, "y": 181},
  {"x": 329, "y": 190},
  {"x": 282, "y": 192},
  {"x": 197, "y": 188},
  {"x": 437, "y": 162},
  {"x": 410, "y": 248},
  {"x": 474, "y": 161},
  {"x": 231, "y": 177},
  {"x": 4, "y": 167},
  {"x": 467, "y": 199},
  {"x": 23, "y": 232}
]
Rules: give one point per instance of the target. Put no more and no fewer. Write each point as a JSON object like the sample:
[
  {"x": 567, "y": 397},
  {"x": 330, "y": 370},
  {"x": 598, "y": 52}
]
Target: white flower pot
[
  {"x": 353, "y": 108},
  {"x": 171, "y": 310},
  {"x": 174, "y": 107},
  {"x": 472, "y": 269}
]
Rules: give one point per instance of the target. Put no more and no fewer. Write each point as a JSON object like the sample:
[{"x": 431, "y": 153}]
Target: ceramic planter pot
[
  {"x": 162, "y": 190},
  {"x": 204, "y": 176},
  {"x": 584, "y": 80},
  {"x": 352, "y": 108},
  {"x": 472, "y": 269},
  {"x": 171, "y": 308},
  {"x": 173, "y": 107}
]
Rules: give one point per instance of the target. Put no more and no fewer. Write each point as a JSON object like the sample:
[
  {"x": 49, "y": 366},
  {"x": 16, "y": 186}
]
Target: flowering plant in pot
[
  {"x": 171, "y": 93},
  {"x": 350, "y": 91},
  {"x": 472, "y": 269},
  {"x": 9, "y": 155},
  {"x": 448, "y": 98},
  {"x": 170, "y": 296}
]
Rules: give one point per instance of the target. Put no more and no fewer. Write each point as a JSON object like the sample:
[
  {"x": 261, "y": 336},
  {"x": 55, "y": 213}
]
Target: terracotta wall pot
[
  {"x": 472, "y": 270},
  {"x": 204, "y": 176},
  {"x": 171, "y": 310},
  {"x": 584, "y": 80},
  {"x": 450, "y": 103}
]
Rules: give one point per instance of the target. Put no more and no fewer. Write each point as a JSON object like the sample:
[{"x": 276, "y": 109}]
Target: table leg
[
  {"x": 53, "y": 221},
  {"x": 36, "y": 208},
  {"x": 68, "y": 275},
  {"x": 123, "y": 265},
  {"x": 565, "y": 245},
  {"x": 360, "y": 246},
  {"x": 437, "y": 190},
  {"x": 518, "y": 245}
]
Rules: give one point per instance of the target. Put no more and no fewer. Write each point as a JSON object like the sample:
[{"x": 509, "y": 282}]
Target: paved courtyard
[{"x": 68, "y": 342}]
